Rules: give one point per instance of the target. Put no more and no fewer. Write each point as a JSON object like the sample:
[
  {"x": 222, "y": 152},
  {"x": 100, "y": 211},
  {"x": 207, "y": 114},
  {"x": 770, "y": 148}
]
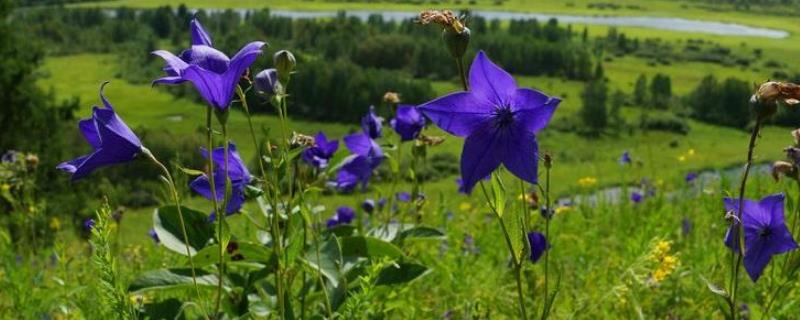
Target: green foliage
[
  {"x": 112, "y": 297},
  {"x": 661, "y": 91},
  {"x": 594, "y": 113},
  {"x": 721, "y": 103}
]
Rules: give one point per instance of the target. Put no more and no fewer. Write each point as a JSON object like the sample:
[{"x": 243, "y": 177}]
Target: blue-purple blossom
[
  {"x": 213, "y": 74},
  {"x": 237, "y": 173},
  {"x": 344, "y": 215},
  {"x": 372, "y": 124},
  {"x": 765, "y": 232},
  {"x": 266, "y": 81},
  {"x": 153, "y": 235},
  {"x": 461, "y": 187},
  {"x": 88, "y": 224},
  {"x": 403, "y": 196},
  {"x": 636, "y": 197},
  {"x": 408, "y": 122},
  {"x": 686, "y": 226},
  {"x": 382, "y": 203},
  {"x": 111, "y": 140},
  {"x": 625, "y": 158},
  {"x": 538, "y": 244},
  {"x": 690, "y": 177},
  {"x": 368, "y": 206},
  {"x": 498, "y": 119},
  {"x": 357, "y": 168},
  {"x": 322, "y": 151},
  {"x": 10, "y": 156}
]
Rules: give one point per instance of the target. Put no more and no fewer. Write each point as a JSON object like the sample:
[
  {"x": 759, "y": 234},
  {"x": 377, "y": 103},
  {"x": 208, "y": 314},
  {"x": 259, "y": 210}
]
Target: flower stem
[
  {"x": 462, "y": 74},
  {"x": 737, "y": 221},
  {"x": 550, "y": 212},
  {"x": 212, "y": 184},
  {"x": 174, "y": 192}
]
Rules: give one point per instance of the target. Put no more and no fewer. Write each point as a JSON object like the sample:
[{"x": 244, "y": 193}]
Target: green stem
[
  {"x": 550, "y": 212},
  {"x": 462, "y": 73},
  {"x": 211, "y": 182},
  {"x": 736, "y": 223},
  {"x": 176, "y": 198}
]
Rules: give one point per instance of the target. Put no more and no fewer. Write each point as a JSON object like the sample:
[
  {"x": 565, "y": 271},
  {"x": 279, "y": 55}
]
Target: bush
[{"x": 664, "y": 122}]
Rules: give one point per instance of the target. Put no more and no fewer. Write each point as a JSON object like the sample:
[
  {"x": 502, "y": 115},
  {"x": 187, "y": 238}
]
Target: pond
[{"x": 661, "y": 23}]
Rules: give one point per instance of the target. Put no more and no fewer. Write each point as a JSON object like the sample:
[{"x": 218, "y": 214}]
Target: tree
[
  {"x": 661, "y": 91},
  {"x": 618, "y": 100},
  {"x": 640, "y": 91},
  {"x": 593, "y": 113}
]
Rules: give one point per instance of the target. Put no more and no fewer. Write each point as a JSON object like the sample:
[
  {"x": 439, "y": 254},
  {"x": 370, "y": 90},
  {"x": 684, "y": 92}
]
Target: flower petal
[
  {"x": 458, "y": 113},
  {"x": 521, "y": 153},
  {"x": 175, "y": 64},
  {"x": 481, "y": 155},
  {"x": 489, "y": 82},
  {"x": 533, "y": 109},
  {"x": 206, "y": 57},
  {"x": 210, "y": 86},
  {"x": 756, "y": 257},
  {"x": 199, "y": 34},
  {"x": 113, "y": 131},
  {"x": 362, "y": 144},
  {"x": 89, "y": 130}
]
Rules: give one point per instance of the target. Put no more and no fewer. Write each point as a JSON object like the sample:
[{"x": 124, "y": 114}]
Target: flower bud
[
  {"x": 284, "y": 61},
  {"x": 31, "y": 160},
  {"x": 391, "y": 97},
  {"x": 548, "y": 161},
  {"x": 763, "y": 107},
  {"x": 456, "y": 41},
  {"x": 266, "y": 82},
  {"x": 783, "y": 168},
  {"x": 796, "y": 135}
]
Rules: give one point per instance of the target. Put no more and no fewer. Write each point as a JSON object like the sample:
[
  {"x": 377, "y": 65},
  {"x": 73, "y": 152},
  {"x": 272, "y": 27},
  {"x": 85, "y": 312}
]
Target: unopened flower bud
[
  {"x": 266, "y": 82},
  {"x": 763, "y": 108},
  {"x": 783, "y": 168},
  {"x": 456, "y": 41},
  {"x": 284, "y": 62},
  {"x": 548, "y": 161},
  {"x": 391, "y": 97}
]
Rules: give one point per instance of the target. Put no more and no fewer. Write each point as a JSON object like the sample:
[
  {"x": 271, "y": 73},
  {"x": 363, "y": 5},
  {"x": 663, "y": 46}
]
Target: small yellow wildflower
[
  {"x": 587, "y": 182},
  {"x": 690, "y": 152},
  {"x": 465, "y": 206},
  {"x": 55, "y": 223},
  {"x": 681, "y": 158},
  {"x": 563, "y": 209}
]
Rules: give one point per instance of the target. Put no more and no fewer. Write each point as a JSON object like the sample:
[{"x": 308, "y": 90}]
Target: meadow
[{"x": 653, "y": 250}]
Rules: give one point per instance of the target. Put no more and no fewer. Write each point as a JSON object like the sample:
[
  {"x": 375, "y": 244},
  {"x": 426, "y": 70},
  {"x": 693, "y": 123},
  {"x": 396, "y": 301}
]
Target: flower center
[
  {"x": 503, "y": 116},
  {"x": 764, "y": 233}
]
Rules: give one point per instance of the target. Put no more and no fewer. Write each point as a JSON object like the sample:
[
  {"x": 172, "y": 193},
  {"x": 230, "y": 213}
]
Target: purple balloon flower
[
  {"x": 372, "y": 124},
  {"x": 357, "y": 168},
  {"x": 153, "y": 235},
  {"x": 88, "y": 224},
  {"x": 322, "y": 151},
  {"x": 266, "y": 81},
  {"x": 462, "y": 189},
  {"x": 498, "y": 119},
  {"x": 765, "y": 232},
  {"x": 636, "y": 197},
  {"x": 344, "y": 215},
  {"x": 403, "y": 196},
  {"x": 690, "y": 177},
  {"x": 625, "y": 158},
  {"x": 237, "y": 172},
  {"x": 368, "y": 206},
  {"x": 213, "y": 74},
  {"x": 113, "y": 142},
  {"x": 408, "y": 122},
  {"x": 538, "y": 245}
]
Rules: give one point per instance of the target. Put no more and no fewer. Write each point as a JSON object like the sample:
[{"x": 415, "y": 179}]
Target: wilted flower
[
  {"x": 455, "y": 34},
  {"x": 213, "y": 74},
  {"x": 408, "y": 122},
  {"x": 783, "y": 168},
  {"x": 372, "y": 124},
  {"x": 391, "y": 97},
  {"x": 321, "y": 152},
  {"x": 499, "y": 120},
  {"x": 344, "y": 215},
  {"x": 784, "y": 92},
  {"x": 266, "y": 82},
  {"x": 765, "y": 232},
  {"x": 111, "y": 139},
  {"x": 237, "y": 173},
  {"x": 538, "y": 244}
]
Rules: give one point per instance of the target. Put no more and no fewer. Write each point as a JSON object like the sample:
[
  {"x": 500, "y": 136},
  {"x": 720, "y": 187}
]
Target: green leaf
[
  {"x": 164, "y": 279},
  {"x": 327, "y": 264},
  {"x": 400, "y": 273},
  {"x": 513, "y": 223},
  {"x": 169, "y": 309},
  {"x": 191, "y": 172},
  {"x": 167, "y": 225},
  {"x": 422, "y": 232},
  {"x": 394, "y": 165},
  {"x": 499, "y": 195},
  {"x": 369, "y": 247},
  {"x": 715, "y": 288},
  {"x": 244, "y": 251}
]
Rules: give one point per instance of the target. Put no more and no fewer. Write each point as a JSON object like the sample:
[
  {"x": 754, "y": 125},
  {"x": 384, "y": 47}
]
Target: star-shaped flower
[
  {"x": 358, "y": 167},
  {"x": 765, "y": 232},
  {"x": 322, "y": 151},
  {"x": 237, "y": 172},
  {"x": 408, "y": 122},
  {"x": 498, "y": 119}
]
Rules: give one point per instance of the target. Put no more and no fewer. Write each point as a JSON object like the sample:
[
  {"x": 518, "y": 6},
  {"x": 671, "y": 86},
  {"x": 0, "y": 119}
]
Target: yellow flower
[
  {"x": 465, "y": 206},
  {"x": 690, "y": 152},
  {"x": 563, "y": 209},
  {"x": 5, "y": 187},
  {"x": 55, "y": 223},
  {"x": 681, "y": 158},
  {"x": 587, "y": 182}
]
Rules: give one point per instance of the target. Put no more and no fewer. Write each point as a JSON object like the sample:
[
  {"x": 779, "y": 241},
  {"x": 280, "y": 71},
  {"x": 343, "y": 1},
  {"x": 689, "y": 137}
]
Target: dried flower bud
[
  {"x": 31, "y": 160},
  {"x": 301, "y": 140},
  {"x": 284, "y": 62},
  {"x": 391, "y": 97},
  {"x": 430, "y": 140},
  {"x": 455, "y": 34},
  {"x": 796, "y": 135},
  {"x": 783, "y": 92},
  {"x": 267, "y": 82},
  {"x": 783, "y": 168},
  {"x": 548, "y": 160}
]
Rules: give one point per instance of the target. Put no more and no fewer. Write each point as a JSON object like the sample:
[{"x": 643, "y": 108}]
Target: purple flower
[
  {"x": 266, "y": 81},
  {"x": 765, "y": 232},
  {"x": 357, "y": 168},
  {"x": 237, "y": 173},
  {"x": 322, "y": 151},
  {"x": 152, "y": 233},
  {"x": 403, "y": 196},
  {"x": 88, "y": 224},
  {"x": 408, "y": 122},
  {"x": 10, "y": 156},
  {"x": 461, "y": 187},
  {"x": 636, "y": 197},
  {"x": 344, "y": 215},
  {"x": 382, "y": 203},
  {"x": 498, "y": 119},
  {"x": 372, "y": 124},
  {"x": 468, "y": 245},
  {"x": 686, "y": 226},
  {"x": 625, "y": 158},
  {"x": 538, "y": 245},
  {"x": 368, "y": 206},
  {"x": 213, "y": 74},
  {"x": 111, "y": 139},
  {"x": 690, "y": 177}
]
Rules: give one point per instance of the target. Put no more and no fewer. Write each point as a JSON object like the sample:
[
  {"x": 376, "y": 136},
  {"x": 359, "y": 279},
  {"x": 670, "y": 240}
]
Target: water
[{"x": 661, "y": 23}]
